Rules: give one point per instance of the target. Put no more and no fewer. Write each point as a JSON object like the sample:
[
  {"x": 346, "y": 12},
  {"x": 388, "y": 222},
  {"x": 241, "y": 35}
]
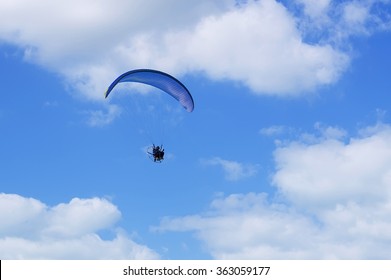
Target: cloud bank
[
  {"x": 29, "y": 229},
  {"x": 261, "y": 44},
  {"x": 333, "y": 201}
]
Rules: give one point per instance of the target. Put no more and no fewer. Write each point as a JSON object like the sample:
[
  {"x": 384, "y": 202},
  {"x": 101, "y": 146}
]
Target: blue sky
[{"x": 286, "y": 155}]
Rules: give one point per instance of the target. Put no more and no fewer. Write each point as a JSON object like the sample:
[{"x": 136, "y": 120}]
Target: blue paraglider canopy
[{"x": 160, "y": 80}]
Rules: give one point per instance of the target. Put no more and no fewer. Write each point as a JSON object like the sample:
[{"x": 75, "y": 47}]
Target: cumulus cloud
[
  {"x": 332, "y": 171},
  {"x": 257, "y": 43},
  {"x": 333, "y": 202},
  {"x": 246, "y": 226},
  {"x": 29, "y": 229},
  {"x": 233, "y": 170}
]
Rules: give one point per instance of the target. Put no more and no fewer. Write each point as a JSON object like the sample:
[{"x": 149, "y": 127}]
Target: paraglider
[
  {"x": 160, "y": 80},
  {"x": 164, "y": 82},
  {"x": 157, "y": 153}
]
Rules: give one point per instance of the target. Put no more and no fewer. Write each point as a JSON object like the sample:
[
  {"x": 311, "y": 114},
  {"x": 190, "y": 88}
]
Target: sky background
[{"x": 286, "y": 155}]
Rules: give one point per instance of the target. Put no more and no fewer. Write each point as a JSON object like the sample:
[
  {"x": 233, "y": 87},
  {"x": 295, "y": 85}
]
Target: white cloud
[
  {"x": 89, "y": 246},
  {"x": 330, "y": 132},
  {"x": 315, "y": 8},
  {"x": 274, "y": 130},
  {"x": 341, "y": 20},
  {"x": 75, "y": 218},
  {"x": 91, "y": 42},
  {"x": 356, "y": 16},
  {"x": 258, "y": 44},
  {"x": 29, "y": 229},
  {"x": 233, "y": 170},
  {"x": 333, "y": 202},
  {"x": 19, "y": 215},
  {"x": 101, "y": 117},
  {"x": 248, "y": 227},
  {"x": 332, "y": 171},
  {"x": 355, "y": 13}
]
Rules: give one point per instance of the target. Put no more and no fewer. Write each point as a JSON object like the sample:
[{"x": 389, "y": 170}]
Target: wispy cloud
[
  {"x": 274, "y": 130},
  {"x": 101, "y": 117},
  {"x": 233, "y": 170}
]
